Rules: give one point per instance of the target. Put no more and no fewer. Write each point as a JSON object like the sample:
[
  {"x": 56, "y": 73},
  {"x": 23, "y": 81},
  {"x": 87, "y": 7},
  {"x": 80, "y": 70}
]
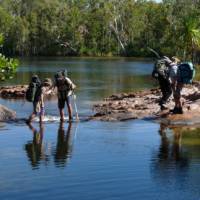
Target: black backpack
[
  {"x": 161, "y": 69},
  {"x": 34, "y": 90}
]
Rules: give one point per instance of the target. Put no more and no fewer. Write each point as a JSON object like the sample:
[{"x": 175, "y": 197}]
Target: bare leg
[
  {"x": 41, "y": 118},
  {"x": 69, "y": 107},
  {"x": 31, "y": 117},
  {"x": 178, "y": 102},
  {"x": 62, "y": 115},
  {"x": 41, "y": 114}
]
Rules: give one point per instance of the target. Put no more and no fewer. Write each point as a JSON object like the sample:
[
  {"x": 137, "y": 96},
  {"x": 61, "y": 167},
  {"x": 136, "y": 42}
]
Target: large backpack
[
  {"x": 33, "y": 93},
  {"x": 186, "y": 72},
  {"x": 161, "y": 68},
  {"x": 62, "y": 82}
]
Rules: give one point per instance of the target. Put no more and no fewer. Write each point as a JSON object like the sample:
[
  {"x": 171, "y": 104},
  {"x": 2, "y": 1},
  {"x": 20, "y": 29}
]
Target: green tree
[{"x": 8, "y": 66}]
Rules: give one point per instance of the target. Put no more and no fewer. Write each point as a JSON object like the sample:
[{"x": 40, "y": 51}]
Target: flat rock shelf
[{"x": 144, "y": 105}]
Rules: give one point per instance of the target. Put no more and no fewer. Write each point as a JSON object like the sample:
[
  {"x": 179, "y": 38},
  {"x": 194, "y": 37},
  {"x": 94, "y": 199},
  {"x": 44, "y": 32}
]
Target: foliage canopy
[{"x": 100, "y": 27}]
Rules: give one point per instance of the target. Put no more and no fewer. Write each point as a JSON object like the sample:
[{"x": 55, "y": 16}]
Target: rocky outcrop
[
  {"x": 143, "y": 105},
  {"x": 17, "y": 91},
  {"x": 6, "y": 114}
]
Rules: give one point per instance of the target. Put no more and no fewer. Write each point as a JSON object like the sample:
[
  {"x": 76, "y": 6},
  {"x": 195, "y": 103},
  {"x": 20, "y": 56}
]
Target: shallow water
[{"x": 96, "y": 160}]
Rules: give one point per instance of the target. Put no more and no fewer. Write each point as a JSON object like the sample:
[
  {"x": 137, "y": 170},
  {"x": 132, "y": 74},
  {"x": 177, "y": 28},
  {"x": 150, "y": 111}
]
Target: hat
[
  {"x": 64, "y": 72},
  {"x": 47, "y": 82},
  {"x": 35, "y": 78},
  {"x": 175, "y": 59}
]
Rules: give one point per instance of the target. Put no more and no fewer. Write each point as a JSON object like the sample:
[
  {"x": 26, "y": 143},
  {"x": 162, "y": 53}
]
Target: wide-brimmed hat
[
  {"x": 47, "y": 82},
  {"x": 175, "y": 59}
]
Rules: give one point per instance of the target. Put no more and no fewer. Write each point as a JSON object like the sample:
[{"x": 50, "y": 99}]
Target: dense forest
[{"x": 100, "y": 27}]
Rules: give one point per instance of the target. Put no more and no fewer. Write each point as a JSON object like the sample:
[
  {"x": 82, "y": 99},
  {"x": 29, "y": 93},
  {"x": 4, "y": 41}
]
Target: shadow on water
[{"x": 38, "y": 152}]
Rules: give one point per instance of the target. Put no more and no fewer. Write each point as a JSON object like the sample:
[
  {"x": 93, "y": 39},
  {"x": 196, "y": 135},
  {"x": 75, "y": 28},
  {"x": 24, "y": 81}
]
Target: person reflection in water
[
  {"x": 170, "y": 151},
  {"x": 34, "y": 148},
  {"x": 64, "y": 145}
]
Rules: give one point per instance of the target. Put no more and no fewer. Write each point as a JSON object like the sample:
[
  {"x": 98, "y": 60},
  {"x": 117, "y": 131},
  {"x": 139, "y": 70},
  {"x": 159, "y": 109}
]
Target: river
[{"x": 135, "y": 159}]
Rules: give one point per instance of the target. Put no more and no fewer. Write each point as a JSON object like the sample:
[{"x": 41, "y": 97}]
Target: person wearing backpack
[
  {"x": 35, "y": 94},
  {"x": 65, "y": 89},
  {"x": 176, "y": 85},
  {"x": 161, "y": 73},
  {"x": 180, "y": 74}
]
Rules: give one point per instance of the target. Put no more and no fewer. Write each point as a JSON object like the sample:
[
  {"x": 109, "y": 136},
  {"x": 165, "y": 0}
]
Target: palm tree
[{"x": 190, "y": 36}]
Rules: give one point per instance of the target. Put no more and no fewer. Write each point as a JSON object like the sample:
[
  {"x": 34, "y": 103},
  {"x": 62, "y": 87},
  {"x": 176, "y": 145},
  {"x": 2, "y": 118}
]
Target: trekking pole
[
  {"x": 75, "y": 106},
  {"x": 155, "y": 53}
]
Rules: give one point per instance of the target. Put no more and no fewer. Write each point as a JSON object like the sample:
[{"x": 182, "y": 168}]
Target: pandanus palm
[{"x": 190, "y": 35}]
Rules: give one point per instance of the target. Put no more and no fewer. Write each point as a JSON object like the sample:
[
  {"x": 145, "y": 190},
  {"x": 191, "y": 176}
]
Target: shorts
[
  {"x": 62, "y": 99},
  {"x": 38, "y": 108}
]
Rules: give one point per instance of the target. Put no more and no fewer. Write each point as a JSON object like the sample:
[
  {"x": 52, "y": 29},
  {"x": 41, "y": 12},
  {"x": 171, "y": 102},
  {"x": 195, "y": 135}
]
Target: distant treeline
[{"x": 100, "y": 27}]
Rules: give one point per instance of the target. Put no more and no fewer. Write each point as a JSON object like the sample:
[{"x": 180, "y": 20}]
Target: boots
[
  {"x": 177, "y": 110},
  {"x": 162, "y": 107}
]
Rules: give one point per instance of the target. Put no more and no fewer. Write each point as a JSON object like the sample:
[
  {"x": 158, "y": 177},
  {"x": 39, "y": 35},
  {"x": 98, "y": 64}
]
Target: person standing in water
[
  {"x": 35, "y": 94},
  {"x": 65, "y": 89}
]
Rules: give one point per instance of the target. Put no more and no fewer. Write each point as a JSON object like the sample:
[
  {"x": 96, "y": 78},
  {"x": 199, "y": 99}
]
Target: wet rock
[
  {"x": 6, "y": 114},
  {"x": 144, "y": 104},
  {"x": 18, "y": 91}
]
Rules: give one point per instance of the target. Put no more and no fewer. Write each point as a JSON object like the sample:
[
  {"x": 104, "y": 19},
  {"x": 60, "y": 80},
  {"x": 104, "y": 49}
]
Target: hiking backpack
[
  {"x": 61, "y": 81},
  {"x": 34, "y": 91},
  {"x": 186, "y": 72},
  {"x": 161, "y": 69}
]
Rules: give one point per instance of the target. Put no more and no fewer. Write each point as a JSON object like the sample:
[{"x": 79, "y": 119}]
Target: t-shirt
[
  {"x": 65, "y": 88},
  {"x": 173, "y": 70}
]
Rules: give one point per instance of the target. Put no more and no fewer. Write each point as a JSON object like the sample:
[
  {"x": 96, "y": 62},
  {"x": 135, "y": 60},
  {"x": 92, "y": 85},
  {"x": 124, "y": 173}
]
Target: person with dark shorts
[{"x": 65, "y": 89}]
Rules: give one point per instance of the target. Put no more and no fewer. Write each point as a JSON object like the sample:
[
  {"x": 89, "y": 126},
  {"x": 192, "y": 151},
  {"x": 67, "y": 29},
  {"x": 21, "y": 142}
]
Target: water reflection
[
  {"x": 64, "y": 145},
  {"x": 170, "y": 150},
  {"x": 35, "y": 149},
  {"x": 39, "y": 152},
  {"x": 172, "y": 160}
]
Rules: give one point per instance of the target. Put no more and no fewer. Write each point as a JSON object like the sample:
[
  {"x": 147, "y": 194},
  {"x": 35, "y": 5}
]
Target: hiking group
[
  {"x": 172, "y": 75},
  {"x": 37, "y": 89}
]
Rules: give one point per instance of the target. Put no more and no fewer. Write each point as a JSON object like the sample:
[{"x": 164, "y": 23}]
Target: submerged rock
[
  {"x": 6, "y": 114},
  {"x": 144, "y": 104}
]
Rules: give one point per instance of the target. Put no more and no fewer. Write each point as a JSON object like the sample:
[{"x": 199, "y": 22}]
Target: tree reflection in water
[{"x": 37, "y": 152}]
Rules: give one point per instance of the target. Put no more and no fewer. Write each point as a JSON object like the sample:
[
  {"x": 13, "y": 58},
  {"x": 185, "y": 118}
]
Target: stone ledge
[{"x": 144, "y": 104}]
